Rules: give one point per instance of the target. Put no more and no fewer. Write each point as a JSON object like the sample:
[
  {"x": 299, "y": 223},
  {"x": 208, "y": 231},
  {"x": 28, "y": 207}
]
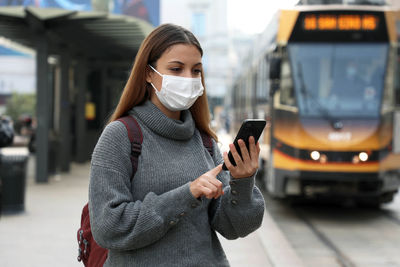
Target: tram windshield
[{"x": 338, "y": 80}]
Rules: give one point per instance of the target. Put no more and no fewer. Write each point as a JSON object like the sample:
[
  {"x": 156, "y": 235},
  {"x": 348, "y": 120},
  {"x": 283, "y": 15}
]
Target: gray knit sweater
[{"x": 154, "y": 220}]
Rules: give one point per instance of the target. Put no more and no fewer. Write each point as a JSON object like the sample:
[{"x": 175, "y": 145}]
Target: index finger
[{"x": 215, "y": 171}]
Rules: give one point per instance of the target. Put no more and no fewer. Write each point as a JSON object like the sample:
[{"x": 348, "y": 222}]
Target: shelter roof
[{"x": 91, "y": 34}]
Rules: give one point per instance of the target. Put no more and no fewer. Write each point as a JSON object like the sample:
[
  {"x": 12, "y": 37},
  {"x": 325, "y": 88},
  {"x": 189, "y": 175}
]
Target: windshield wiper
[{"x": 307, "y": 95}]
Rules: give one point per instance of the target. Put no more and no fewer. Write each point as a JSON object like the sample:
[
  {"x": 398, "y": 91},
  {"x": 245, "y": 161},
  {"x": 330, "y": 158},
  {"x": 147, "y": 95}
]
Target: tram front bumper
[{"x": 309, "y": 184}]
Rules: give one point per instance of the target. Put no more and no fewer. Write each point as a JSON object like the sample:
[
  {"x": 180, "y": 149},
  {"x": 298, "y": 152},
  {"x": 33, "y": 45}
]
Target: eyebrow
[{"x": 181, "y": 63}]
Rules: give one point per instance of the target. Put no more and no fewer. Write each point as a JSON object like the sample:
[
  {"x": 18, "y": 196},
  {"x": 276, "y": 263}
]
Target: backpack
[{"x": 89, "y": 251}]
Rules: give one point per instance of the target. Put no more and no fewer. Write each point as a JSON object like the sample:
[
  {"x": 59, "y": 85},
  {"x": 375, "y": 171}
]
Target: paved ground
[
  {"x": 337, "y": 235},
  {"x": 45, "y": 234}
]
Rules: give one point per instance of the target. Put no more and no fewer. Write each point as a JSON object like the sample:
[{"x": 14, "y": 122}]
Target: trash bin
[{"x": 13, "y": 168}]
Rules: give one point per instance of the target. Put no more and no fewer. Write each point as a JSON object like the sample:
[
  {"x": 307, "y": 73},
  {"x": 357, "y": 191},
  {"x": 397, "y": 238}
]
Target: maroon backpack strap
[
  {"x": 207, "y": 142},
  {"x": 136, "y": 139},
  {"x": 90, "y": 252}
]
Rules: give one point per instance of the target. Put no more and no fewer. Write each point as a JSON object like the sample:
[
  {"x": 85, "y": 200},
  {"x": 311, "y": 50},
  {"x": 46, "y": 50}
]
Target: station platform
[{"x": 45, "y": 233}]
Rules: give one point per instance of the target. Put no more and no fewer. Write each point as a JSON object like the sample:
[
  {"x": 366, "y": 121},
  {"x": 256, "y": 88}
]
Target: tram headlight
[
  {"x": 363, "y": 156},
  {"x": 315, "y": 155}
]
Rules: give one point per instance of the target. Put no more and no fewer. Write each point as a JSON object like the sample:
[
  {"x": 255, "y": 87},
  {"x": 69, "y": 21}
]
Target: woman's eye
[
  {"x": 175, "y": 69},
  {"x": 197, "y": 71}
]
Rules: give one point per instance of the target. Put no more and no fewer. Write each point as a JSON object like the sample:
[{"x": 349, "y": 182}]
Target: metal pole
[
  {"x": 103, "y": 95},
  {"x": 42, "y": 110},
  {"x": 80, "y": 122},
  {"x": 65, "y": 132}
]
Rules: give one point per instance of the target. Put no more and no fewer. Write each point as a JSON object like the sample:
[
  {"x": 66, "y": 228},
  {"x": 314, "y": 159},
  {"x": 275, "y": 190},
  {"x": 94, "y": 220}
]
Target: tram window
[
  {"x": 388, "y": 92},
  {"x": 286, "y": 88},
  {"x": 339, "y": 79},
  {"x": 254, "y": 85},
  {"x": 235, "y": 96},
  {"x": 262, "y": 83}
]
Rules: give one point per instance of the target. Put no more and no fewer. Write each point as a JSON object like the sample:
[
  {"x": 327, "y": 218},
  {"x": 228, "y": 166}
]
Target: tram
[{"x": 327, "y": 79}]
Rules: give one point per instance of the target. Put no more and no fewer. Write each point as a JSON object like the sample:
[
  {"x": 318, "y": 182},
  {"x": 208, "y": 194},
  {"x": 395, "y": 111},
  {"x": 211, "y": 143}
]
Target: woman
[{"x": 168, "y": 213}]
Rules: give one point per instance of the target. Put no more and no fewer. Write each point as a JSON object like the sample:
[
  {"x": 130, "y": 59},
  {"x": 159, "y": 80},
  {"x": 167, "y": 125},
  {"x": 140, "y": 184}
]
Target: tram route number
[{"x": 334, "y": 136}]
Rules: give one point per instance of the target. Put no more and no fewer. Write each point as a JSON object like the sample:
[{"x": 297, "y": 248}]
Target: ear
[{"x": 149, "y": 74}]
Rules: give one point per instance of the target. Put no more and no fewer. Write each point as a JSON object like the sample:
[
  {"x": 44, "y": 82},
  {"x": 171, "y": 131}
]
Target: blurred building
[
  {"x": 17, "y": 69},
  {"x": 208, "y": 21},
  {"x": 394, "y": 3},
  {"x": 147, "y": 10}
]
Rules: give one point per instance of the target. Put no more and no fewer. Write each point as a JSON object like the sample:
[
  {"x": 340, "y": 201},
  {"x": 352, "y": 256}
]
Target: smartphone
[{"x": 249, "y": 128}]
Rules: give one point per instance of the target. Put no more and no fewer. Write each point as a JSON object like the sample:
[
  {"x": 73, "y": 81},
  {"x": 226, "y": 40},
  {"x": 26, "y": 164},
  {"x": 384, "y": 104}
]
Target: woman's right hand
[{"x": 208, "y": 185}]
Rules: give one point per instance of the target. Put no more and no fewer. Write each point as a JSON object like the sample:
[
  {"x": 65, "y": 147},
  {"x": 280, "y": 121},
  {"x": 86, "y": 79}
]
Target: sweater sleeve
[
  {"x": 117, "y": 221},
  {"x": 240, "y": 210}
]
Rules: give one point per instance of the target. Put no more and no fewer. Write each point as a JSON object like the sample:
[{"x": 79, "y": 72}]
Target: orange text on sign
[{"x": 341, "y": 22}]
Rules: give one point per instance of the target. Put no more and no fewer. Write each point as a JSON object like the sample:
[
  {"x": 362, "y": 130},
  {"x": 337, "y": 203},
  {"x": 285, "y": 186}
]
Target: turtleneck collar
[{"x": 156, "y": 120}]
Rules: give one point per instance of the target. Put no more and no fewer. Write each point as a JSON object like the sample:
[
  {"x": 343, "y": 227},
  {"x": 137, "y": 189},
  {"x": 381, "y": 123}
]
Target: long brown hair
[{"x": 137, "y": 90}]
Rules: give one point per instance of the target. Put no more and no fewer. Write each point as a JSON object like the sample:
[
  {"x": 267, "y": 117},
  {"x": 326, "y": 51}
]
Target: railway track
[
  {"x": 334, "y": 235},
  {"x": 341, "y": 257}
]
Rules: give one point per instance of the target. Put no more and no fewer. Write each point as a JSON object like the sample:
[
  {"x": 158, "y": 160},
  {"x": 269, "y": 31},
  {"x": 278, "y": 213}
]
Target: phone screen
[{"x": 249, "y": 128}]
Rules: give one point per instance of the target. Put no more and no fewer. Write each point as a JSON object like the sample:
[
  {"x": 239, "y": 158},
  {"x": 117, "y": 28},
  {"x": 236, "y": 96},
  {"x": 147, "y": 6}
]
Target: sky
[{"x": 255, "y": 15}]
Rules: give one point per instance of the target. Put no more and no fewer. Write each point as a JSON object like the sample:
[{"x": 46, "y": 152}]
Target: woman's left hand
[{"x": 249, "y": 165}]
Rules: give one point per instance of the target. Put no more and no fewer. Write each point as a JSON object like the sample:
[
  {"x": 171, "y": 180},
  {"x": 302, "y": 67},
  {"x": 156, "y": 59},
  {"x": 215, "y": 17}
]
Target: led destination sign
[
  {"x": 340, "y": 22},
  {"x": 340, "y": 26}
]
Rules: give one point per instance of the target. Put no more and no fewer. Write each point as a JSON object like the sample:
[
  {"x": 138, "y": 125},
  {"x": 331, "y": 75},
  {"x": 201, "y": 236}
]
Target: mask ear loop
[
  {"x": 155, "y": 70},
  {"x": 158, "y": 74},
  {"x": 154, "y": 87}
]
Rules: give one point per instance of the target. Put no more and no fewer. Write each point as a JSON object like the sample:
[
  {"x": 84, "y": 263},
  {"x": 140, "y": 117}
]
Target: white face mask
[{"x": 178, "y": 93}]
